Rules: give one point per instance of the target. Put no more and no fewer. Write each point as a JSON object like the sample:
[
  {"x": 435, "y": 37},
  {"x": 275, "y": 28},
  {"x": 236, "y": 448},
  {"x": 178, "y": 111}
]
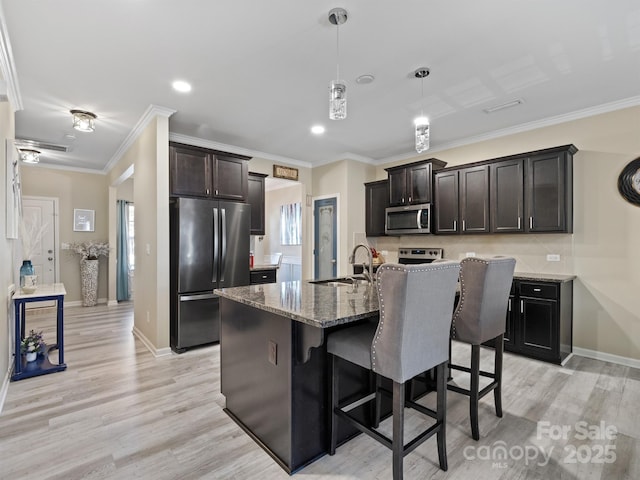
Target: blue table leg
[
  {"x": 59, "y": 331},
  {"x": 18, "y": 336}
]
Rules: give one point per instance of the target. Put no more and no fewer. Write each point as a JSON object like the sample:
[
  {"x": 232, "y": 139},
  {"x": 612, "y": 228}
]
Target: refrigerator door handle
[
  {"x": 201, "y": 296},
  {"x": 214, "y": 273},
  {"x": 223, "y": 253}
]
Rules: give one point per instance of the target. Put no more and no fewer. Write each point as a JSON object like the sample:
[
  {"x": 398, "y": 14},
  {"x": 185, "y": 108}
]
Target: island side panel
[{"x": 261, "y": 395}]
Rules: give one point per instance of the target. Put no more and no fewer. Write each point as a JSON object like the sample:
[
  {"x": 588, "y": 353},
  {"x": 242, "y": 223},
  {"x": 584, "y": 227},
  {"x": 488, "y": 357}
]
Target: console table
[{"x": 21, "y": 368}]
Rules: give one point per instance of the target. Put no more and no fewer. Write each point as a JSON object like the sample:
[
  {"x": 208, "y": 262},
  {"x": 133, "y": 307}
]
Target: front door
[
  {"x": 325, "y": 237},
  {"x": 39, "y": 213}
]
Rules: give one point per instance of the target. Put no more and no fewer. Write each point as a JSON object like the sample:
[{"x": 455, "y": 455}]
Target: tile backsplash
[{"x": 529, "y": 250}]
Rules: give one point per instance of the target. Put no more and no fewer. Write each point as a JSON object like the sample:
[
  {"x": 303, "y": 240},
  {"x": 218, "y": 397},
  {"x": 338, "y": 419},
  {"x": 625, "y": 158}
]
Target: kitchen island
[{"x": 272, "y": 362}]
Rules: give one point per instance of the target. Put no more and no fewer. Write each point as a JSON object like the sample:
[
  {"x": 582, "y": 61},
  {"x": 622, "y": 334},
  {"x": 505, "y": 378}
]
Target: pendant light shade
[
  {"x": 84, "y": 121},
  {"x": 337, "y": 87},
  {"x": 422, "y": 123},
  {"x": 28, "y": 155}
]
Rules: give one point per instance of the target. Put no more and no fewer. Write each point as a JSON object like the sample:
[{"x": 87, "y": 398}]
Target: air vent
[
  {"x": 26, "y": 143},
  {"x": 502, "y": 106}
]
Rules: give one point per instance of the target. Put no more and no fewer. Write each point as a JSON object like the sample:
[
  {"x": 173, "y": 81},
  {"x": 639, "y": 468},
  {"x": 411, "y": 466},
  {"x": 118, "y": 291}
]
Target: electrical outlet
[
  {"x": 470, "y": 254},
  {"x": 273, "y": 352},
  {"x": 553, "y": 257}
]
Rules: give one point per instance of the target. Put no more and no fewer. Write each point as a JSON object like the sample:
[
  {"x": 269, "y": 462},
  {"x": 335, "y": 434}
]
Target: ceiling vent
[
  {"x": 502, "y": 106},
  {"x": 26, "y": 143}
]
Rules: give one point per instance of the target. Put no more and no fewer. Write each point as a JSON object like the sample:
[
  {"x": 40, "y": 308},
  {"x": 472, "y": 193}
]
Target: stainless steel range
[{"x": 413, "y": 256}]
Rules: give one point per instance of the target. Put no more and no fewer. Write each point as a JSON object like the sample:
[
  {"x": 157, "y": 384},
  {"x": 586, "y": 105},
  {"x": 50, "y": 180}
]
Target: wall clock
[{"x": 629, "y": 182}]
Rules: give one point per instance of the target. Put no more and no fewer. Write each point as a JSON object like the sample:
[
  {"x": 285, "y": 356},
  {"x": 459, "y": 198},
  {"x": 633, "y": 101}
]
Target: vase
[
  {"x": 31, "y": 356},
  {"x": 89, "y": 282},
  {"x": 25, "y": 269}
]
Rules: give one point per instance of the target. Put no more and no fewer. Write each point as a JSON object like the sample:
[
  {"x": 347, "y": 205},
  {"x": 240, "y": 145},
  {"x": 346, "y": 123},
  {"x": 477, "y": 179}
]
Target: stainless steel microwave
[{"x": 408, "y": 219}]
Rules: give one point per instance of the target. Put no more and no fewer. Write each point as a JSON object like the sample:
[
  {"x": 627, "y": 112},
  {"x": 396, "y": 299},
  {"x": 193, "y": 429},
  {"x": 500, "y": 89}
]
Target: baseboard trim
[
  {"x": 78, "y": 303},
  {"x": 607, "y": 357},
  {"x": 5, "y": 386},
  {"x": 156, "y": 352}
]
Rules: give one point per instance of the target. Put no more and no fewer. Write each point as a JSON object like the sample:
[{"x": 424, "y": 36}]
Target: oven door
[{"x": 409, "y": 219}]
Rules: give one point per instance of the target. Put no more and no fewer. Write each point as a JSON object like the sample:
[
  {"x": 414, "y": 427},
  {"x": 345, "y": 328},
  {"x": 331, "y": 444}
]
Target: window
[
  {"x": 291, "y": 224},
  {"x": 131, "y": 233}
]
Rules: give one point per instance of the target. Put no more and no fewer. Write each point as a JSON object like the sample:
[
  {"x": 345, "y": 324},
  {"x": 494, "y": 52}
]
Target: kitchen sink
[{"x": 342, "y": 281}]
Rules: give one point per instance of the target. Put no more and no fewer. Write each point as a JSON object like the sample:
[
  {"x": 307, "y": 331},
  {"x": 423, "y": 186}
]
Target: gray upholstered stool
[
  {"x": 412, "y": 335},
  {"x": 480, "y": 317}
]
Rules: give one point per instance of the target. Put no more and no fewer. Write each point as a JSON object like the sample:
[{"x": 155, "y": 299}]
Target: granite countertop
[
  {"x": 545, "y": 277},
  {"x": 321, "y": 306}
]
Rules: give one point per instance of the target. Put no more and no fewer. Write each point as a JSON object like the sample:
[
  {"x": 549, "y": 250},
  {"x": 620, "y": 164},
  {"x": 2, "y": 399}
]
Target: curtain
[{"x": 122, "y": 273}]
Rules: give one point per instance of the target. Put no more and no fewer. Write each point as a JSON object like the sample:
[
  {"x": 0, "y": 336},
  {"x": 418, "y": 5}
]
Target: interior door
[
  {"x": 325, "y": 250},
  {"x": 40, "y": 213}
]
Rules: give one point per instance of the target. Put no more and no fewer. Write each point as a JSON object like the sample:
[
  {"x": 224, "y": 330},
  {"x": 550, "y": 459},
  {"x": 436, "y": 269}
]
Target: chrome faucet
[{"x": 368, "y": 274}]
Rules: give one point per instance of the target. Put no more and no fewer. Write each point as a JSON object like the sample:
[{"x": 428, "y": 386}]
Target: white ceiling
[{"x": 260, "y": 71}]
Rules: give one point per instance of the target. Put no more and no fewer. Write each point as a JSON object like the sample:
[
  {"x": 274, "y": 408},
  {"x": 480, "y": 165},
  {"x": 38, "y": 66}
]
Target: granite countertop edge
[{"x": 544, "y": 277}]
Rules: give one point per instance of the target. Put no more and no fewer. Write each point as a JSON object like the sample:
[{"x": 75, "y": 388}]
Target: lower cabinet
[{"x": 539, "y": 320}]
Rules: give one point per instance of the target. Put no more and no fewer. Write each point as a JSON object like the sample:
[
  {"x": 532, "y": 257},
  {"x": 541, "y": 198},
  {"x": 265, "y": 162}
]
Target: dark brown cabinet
[
  {"x": 411, "y": 183},
  {"x": 257, "y": 277},
  {"x": 539, "y": 320},
  {"x": 507, "y": 196},
  {"x": 461, "y": 200},
  {"x": 199, "y": 172},
  {"x": 256, "y": 198},
  {"x": 376, "y": 201}
]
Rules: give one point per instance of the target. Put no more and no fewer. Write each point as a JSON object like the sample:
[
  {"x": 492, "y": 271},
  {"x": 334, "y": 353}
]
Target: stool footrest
[
  {"x": 464, "y": 391},
  {"x": 468, "y": 370}
]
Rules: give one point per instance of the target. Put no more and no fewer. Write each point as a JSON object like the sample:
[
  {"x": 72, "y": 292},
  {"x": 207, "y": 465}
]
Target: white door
[{"x": 41, "y": 212}]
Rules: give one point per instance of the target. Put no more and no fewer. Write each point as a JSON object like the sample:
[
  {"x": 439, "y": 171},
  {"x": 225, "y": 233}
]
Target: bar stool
[
  {"x": 478, "y": 318},
  {"x": 410, "y": 337}
]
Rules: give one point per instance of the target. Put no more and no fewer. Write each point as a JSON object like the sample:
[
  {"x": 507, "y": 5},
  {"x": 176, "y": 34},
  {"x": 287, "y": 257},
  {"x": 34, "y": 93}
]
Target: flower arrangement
[
  {"x": 32, "y": 343},
  {"x": 90, "y": 250}
]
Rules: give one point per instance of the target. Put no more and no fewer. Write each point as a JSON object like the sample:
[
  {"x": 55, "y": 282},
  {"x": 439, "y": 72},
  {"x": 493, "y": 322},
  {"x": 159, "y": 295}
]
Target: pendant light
[
  {"x": 337, "y": 88},
  {"x": 422, "y": 123}
]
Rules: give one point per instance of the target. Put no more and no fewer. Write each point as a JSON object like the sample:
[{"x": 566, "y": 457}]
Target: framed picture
[{"x": 83, "y": 220}]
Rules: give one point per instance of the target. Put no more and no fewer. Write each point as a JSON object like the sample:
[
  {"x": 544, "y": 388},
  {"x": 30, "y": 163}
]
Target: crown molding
[
  {"x": 8, "y": 67},
  {"x": 53, "y": 166},
  {"x": 150, "y": 113},
  {"x": 201, "y": 142}
]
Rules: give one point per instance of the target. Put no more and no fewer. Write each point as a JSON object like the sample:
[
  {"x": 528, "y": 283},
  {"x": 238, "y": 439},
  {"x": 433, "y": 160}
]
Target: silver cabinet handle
[
  {"x": 521, "y": 307},
  {"x": 455, "y": 225},
  {"x": 509, "y": 308},
  {"x": 537, "y": 289},
  {"x": 530, "y": 223},
  {"x": 518, "y": 223},
  {"x": 464, "y": 225}
]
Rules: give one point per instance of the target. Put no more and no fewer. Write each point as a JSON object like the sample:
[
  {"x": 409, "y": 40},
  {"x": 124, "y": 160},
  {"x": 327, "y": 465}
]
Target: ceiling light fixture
[
  {"x": 337, "y": 88},
  {"x": 422, "y": 122},
  {"x": 28, "y": 155},
  {"x": 365, "y": 79},
  {"x": 84, "y": 121},
  {"x": 317, "y": 129},
  {"x": 181, "y": 86}
]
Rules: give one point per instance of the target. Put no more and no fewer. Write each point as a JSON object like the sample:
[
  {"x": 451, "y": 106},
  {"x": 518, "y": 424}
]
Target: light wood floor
[{"x": 119, "y": 413}]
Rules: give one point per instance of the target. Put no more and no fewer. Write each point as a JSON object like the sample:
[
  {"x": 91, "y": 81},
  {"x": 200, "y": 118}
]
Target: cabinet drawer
[
  {"x": 262, "y": 276},
  {"x": 539, "y": 290}
]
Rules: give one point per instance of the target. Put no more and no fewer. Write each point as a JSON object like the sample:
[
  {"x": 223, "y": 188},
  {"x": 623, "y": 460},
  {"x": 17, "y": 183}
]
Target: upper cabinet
[
  {"x": 376, "y": 201},
  {"x": 462, "y": 200},
  {"x": 199, "y": 172},
  {"x": 256, "y": 200},
  {"x": 411, "y": 183},
  {"x": 526, "y": 193}
]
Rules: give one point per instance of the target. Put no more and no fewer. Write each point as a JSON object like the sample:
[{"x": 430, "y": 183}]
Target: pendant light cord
[{"x": 338, "y": 51}]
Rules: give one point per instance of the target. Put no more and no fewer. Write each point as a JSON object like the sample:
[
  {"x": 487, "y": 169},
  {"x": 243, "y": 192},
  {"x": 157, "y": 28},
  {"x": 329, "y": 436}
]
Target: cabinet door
[
  {"x": 538, "y": 328},
  {"x": 397, "y": 187},
  {"x": 419, "y": 183},
  {"x": 190, "y": 172},
  {"x": 546, "y": 193},
  {"x": 507, "y": 196},
  {"x": 256, "y": 200},
  {"x": 474, "y": 199},
  {"x": 230, "y": 177},
  {"x": 446, "y": 202},
  {"x": 376, "y": 200}
]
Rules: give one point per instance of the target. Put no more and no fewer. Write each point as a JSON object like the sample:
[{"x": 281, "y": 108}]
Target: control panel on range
[{"x": 408, "y": 256}]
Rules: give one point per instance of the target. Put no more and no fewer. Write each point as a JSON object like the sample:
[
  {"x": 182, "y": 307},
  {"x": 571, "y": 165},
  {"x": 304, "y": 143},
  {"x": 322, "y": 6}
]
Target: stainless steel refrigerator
[{"x": 209, "y": 249}]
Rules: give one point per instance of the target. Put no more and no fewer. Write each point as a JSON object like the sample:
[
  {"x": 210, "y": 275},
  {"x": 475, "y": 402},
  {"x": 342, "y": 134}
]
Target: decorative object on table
[
  {"x": 376, "y": 256},
  {"x": 30, "y": 236},
  {"x": 629, "y": 182},
  {"x": 83, "y": 220},
  {"x": 31, "y": 345},
  {"x": 89, "y": 252}
]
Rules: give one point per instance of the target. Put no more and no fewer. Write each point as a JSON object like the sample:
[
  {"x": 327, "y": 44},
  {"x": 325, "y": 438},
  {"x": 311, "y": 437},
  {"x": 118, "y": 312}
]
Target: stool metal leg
[
  {"x": 398, "y": 429},
  {"x": 333, "y": 404},
  {"x": 441, "y": 417},
  {"x": 497, "y": 392},
  {"x": 474, "y": 391}
]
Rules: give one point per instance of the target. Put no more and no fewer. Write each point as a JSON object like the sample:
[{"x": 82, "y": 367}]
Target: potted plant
[
  {"x": 31, "y": 345},
  {"x": 89, "y": 253}
]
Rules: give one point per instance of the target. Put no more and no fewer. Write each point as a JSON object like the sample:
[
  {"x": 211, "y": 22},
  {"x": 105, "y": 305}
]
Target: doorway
[
  {"x": 325, "y": 234},
  {"x": 41, "y": 213}
]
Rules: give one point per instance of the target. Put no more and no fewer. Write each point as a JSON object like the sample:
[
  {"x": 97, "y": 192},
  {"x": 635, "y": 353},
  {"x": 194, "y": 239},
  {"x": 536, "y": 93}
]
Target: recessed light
[
  {"x": 364, "y": 79},
  {"x": 181, "y": 86},
  {"x": 317, "y": 129}
]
